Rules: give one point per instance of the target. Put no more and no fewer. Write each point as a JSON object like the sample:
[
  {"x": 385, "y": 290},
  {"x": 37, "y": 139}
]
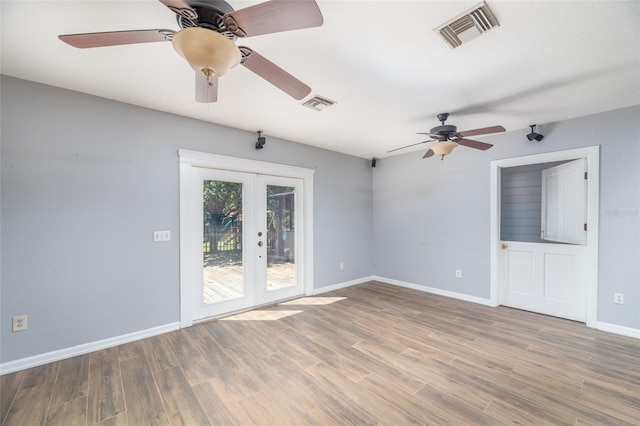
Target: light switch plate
[{"x": 161, "y": 236}]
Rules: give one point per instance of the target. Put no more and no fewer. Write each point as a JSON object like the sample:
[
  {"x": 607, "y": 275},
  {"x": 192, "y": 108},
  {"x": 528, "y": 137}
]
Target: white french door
[
  {"x": 223, "y": 257},
  {"x": 279, "y": 273},
  {"x": 246, "y": 234}
]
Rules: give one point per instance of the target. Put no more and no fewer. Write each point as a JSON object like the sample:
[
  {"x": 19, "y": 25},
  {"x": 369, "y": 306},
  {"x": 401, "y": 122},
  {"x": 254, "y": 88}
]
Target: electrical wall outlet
[
  {"x": 618, "y": 298},
  {"x": 341, "y": 265},
  {"x": 19, "y": 323},
  {"x": 458, "y": 273},
  {"x": 161, "y": 236}
]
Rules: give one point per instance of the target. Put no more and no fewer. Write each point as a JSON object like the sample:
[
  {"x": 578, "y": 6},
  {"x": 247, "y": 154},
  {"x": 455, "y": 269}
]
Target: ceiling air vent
[
  {"x": 467, "y": 26},
  {"x": 318, "y": 103}
]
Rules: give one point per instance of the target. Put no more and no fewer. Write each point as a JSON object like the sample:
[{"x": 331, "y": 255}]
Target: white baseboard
[
  {"x": 602, "y": 326},
  {"x": 438, "y": 291},
  {"x": 34, "y": 361},
  {"x": 618, "y": 329},
  {"x": 338, "y": 286},
  {"x": 412, "y": 286}
]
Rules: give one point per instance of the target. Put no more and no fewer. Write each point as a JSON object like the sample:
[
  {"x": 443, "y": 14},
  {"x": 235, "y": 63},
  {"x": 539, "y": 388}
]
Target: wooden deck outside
[{"x": 225, "y": 282}]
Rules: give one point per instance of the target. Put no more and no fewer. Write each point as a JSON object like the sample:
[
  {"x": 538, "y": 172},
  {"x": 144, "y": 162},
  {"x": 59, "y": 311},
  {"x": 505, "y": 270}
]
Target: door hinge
[
  {"x": 585, "y": 226},
  {"x": 542, "y": 234},
  {"x": 586, "y": 175}
]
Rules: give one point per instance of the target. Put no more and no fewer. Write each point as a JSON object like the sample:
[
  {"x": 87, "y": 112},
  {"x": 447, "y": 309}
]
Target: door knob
[
  {"x": 259, "y": 243},
  {"x": 504, "y": 246}
]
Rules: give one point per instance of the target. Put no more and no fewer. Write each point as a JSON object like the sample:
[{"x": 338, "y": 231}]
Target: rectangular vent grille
[
  {"x": 469, "y": 25},
  {"x": 318, "y": 103}
]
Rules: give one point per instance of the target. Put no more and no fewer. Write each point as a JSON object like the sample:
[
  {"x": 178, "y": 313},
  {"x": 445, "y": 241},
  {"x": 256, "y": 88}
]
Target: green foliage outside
[{"x": 222, "y": 207}]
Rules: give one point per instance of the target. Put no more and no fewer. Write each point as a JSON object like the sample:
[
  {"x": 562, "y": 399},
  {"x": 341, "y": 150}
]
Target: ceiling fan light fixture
[
  {"x": 443, "y": 148},
  {"x": 206, "y": 51}
]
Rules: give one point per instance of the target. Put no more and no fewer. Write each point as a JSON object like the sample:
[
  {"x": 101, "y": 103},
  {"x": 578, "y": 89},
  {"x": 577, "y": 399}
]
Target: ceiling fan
[
  {"x": 206, "y": 39},
  {"x": 445, "y": 138}
]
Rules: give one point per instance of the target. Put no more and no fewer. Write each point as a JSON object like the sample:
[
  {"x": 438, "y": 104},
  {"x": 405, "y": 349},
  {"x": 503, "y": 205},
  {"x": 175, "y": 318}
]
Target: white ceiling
[{"x": 381, "y": 61}]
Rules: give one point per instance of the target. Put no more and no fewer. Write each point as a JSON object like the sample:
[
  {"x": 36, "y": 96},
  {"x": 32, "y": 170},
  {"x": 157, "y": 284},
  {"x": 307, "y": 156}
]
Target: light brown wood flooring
[{"x": 365, "y": 355}]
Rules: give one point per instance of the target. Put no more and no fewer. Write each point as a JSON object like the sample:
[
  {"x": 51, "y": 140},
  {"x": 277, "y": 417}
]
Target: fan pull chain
[{"x": 208, "y": 73}]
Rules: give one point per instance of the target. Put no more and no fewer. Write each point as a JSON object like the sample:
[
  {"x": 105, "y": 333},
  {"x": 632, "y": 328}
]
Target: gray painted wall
[
  {"x": 431, "y": 217},
  {"x": 86, "y": 181}
]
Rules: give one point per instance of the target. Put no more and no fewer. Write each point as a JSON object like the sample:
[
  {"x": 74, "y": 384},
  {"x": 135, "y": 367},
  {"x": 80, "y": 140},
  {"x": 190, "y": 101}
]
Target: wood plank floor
[{"x": 365, "y": 355}]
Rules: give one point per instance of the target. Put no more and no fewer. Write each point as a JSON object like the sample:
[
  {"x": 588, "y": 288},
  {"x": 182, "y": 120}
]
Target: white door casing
[
  {"x": 191, "y": 165},
  {"x": 586, "y": 264}
]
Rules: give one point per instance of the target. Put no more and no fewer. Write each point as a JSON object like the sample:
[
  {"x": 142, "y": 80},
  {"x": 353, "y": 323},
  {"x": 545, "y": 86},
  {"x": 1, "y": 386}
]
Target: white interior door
[
  {"x": 502, "y": 273},
  {"x": 550, "y": 278},
  {"x": 564, "y": 203},
  {"x": 544, "y": 278},
  {"x": 247, "y": 241}
]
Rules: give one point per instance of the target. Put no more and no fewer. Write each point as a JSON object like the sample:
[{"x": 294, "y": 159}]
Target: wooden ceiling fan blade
[
  {"x": 116, "y": 38},
  {"x": 428, "y": 154},
  {"x": 206, "y": 93},
  {"x": 179, "y": 7},
  {"x": 483, "y": 131},
  {"x": 273, "y": 16},
  {"x": 408, "y": 146},
  {"x": 273, "y": 74},
  {"x": 474, "y": 144}
]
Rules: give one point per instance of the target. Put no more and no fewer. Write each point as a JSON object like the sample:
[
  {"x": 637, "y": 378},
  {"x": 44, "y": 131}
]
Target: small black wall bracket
[{"x": 261, "y": 140}]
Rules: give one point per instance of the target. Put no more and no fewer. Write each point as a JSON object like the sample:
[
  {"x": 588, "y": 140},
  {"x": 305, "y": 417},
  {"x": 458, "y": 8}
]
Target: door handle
[
  {"x": 259, "y": 243},
  {"x": 505, "y": 246}
]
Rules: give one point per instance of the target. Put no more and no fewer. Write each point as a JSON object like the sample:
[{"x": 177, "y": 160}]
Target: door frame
[
  {"x": 188, "y": 160},
  {"x": 592, "y": 154}
]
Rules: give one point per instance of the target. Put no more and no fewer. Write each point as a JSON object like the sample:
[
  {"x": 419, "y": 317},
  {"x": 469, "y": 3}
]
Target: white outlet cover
[{"x": 19, "y": 323}]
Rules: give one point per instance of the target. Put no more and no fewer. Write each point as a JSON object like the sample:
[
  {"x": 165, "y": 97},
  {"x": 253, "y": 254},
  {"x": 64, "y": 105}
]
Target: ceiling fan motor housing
[
  {"x": 445, "y": 131},
  {"x": 210, "y": 13}
]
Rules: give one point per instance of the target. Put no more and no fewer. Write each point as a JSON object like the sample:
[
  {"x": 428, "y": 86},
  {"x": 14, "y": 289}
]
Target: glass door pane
[
  {"x": 222, "y": 243},
  {"x": 279, "y": 228},
  {"x": 281, "y": 241},
  {"x": 223, "y": 216}
]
